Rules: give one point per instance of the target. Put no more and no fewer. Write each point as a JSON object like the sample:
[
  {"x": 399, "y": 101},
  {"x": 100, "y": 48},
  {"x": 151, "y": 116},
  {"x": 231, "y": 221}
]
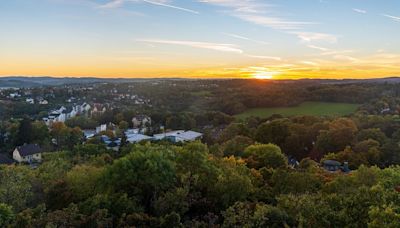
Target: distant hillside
[
  {"x": 19, "y": 82},
  {"x": 44, "y": 81},
  {"x": 50, "y": 81}
]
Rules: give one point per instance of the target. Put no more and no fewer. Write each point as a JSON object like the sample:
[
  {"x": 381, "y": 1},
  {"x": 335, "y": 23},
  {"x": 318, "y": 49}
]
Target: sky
[{"x": 278, "y": 39}]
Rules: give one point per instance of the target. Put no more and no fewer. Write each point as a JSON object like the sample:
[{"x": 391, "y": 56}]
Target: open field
[{"x": 306, "y": 108}]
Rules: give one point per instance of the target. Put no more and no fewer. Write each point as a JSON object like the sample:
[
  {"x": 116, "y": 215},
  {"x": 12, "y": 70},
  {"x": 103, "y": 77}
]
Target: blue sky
[{"x": 200, "y": 38}]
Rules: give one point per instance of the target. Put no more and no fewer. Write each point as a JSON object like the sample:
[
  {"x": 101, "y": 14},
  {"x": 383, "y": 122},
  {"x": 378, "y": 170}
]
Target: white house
[
  {"x": 179, "y": 136},
  {"x": 141, "y": 121},
  {"x": 28, "y": 153},
  {"x": 30, "y": 100},
  {"x": 104, "y": 127},
  {"x": 88, "y": 133},
  {"x": 43, "y": 102},
  {"x": 135, "y": 138},
  {"x": 85, "y": 108}
]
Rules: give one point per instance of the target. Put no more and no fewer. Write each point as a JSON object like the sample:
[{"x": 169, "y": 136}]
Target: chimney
[{"x": 346, "y": 167}]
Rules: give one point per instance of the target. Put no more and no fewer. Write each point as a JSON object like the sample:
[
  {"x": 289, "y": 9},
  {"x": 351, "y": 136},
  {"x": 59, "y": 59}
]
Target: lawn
[{"x": 306, "y": 108}]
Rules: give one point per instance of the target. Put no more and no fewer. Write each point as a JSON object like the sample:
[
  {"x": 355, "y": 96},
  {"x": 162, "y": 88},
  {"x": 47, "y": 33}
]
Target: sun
[{"x": 263, "y": 75}]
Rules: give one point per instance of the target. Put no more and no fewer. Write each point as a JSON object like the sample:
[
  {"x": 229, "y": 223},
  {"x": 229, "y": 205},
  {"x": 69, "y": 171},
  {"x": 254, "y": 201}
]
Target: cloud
[
  {"x": 318, "y": 48},
  {"x": 360, "y": 11},
  {"x": 309, "y": 63},
  {"x": 392, "y": 17},
  {"x": 113, "y": 4},
  {"x": 223, "y": 47},
  {"x": 315, "y": 36},
  {"x": 330, "y": 52},
  {"x": 243, "y": 6},
  {"x": 265, "y": 57},
  {"x": 171, "y": 6},
  {"x": 345, "y": 58},
  {"x": 335, "y": 52},
  {"x": 273, "y": 22},
  {"x": 204, "y": 45},
  {"x": 164, "y": 3},
  {"x": 253, "y": 11},
  {"x": 245, "y": 38}
]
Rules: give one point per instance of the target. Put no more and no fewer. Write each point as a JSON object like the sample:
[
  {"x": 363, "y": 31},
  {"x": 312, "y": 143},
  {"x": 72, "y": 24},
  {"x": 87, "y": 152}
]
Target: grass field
[{"x": 306, "y": 108}]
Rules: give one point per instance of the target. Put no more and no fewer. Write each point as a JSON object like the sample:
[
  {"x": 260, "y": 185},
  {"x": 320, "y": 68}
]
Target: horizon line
[{"x": 190, "y": 78}]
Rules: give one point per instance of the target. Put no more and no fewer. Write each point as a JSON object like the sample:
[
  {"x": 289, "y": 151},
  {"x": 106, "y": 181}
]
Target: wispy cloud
[
  {"x": 245, "y": 38},
  {"x": 360, "y": 11},
  {"x": 273, "y": 22},
  {"x": 243, "y": 6},
  {"x": 310, "y": 63},
  {"x": 392, "y": 17},
  {"x": 336, "y": 52},
  {"x": 265, "y": 57},
  {"x": 345, "y": 58},
  {"x": 204, "y": 45},
  {"x": 171, "y": 6},
  {"x": 318, "y": 48},
  {"x": 329, "y": 52},
  {"x": 315, "y": 36},
  {"x": 223, "y": 47},
  {"x": 254, "y": 11},
  {"x": 164, "y": 3},
  {"x": 113, "y": 4}
]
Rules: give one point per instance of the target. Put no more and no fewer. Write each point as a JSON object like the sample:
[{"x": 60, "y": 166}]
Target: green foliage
[
  {"x": 162, "y": 185},
  {"x": 384, "y": 216},
  {"x": 82, "y": 181},
  {"x": 236, "y": 146},
  {"x": 234, "y": 182},
  {"x": 265, "y": 155},
  {"x": 141, "y": 174},
  {"x": 25, "y": 132},
  {"x": 340, "y": 134},
  {"x": 244, "y": 214},
  {"x": 306, "y": 108},
  {"x": 15, "y": 186},
  {"x": 274, "y": 132},
  {"x": 6, "y": 215},
  {"x": 82, "y": 122}
]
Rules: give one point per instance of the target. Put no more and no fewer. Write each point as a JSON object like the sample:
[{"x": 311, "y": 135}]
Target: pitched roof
[
  {"x": 332, "y": 163},
  {"x": 5, "y": 160},
  {"x": 137, "y": 138},
  {"x": 29, "y": 149},
  {"x": 189, "y": 135}
]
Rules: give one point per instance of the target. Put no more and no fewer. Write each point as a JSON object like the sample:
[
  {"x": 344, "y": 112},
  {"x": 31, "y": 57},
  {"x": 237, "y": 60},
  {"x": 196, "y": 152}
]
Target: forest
[{"x": 245, "y": 172}]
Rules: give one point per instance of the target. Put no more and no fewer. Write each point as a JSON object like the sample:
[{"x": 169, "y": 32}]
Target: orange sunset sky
[{"x": 265, "y": 39}]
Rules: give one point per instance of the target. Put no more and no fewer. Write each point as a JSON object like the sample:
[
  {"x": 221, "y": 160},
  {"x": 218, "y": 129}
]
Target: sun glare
[{"x": 263, "y": 75}]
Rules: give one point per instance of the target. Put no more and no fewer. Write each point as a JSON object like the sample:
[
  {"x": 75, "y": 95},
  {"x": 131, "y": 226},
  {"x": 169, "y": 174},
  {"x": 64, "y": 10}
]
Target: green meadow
[{"x": 306, "y": 108}]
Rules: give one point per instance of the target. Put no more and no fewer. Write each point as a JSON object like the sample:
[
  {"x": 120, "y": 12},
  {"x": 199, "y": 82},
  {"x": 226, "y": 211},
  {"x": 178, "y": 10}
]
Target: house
[
  {"x": 135, "y": 135},
  {"x": 331, "y": 165},
  {"x": 98, "y": 109},
  {"x": 85, "y": 107},
  {"x": 14, "y": 95},
  {"x": 334, "y": 166},
  {"x": 89, "y": 133},
  {"x": 28, "y": 153},
  {"x": 62, "y": 114},
  {"x": 141, "y": 121},
  {"x": 104, "y": 127},
  {"x": 43, "y": 102},
  {"x": 111, "y": 144},
  {"x": 30, "y": 101},
  {"x": 293, "y": 163},
  {"x": 5, "y": 160},
  {"x": 179, "y": 136},
  {"x": 135, "y": 138}
]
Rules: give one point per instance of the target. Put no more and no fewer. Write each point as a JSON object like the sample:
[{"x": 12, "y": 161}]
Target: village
[{"x": 111, "y": 135}]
